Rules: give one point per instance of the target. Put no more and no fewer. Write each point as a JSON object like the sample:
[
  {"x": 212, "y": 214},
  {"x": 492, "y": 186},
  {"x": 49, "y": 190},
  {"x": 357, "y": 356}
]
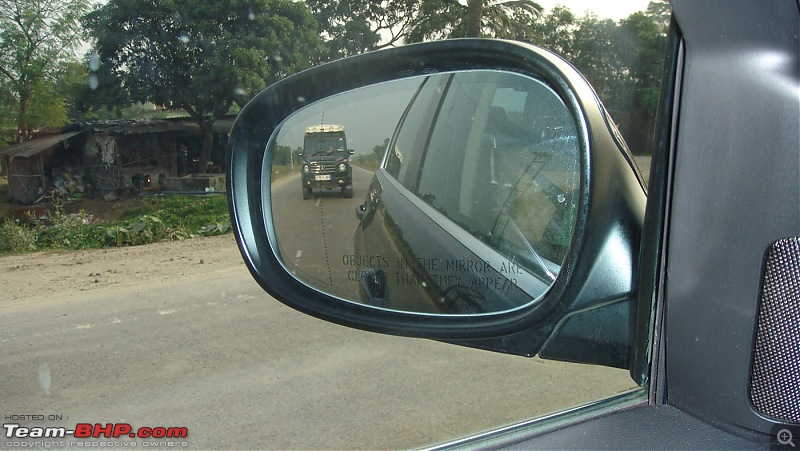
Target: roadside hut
[
  {"x": 149, "y": 155},
  {"x": 106, "y": 158},
  {"x": 25, "y": 164}
]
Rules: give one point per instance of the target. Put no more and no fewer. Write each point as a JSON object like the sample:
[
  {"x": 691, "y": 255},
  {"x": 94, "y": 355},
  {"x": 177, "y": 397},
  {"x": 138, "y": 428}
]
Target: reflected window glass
[
  {"x": 515, "y": 187},
  {"x": 413, "y": 130}
]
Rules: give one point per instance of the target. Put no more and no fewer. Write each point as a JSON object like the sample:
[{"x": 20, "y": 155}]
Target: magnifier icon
[{"x": 785, "y": 437}]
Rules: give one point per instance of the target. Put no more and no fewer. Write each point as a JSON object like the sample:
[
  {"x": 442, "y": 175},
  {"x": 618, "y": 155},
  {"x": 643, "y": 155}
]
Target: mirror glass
[{"x": 453, "y": 193}]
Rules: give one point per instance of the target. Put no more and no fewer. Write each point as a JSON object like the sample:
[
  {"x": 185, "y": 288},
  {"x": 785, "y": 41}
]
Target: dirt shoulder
[{"x": 44, "y": 274}]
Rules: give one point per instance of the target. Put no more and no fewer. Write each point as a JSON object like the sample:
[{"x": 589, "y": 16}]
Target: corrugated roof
[
  {"x": 223, "y": 125},
  {"x": 34, "y": 146},
  {"x": 135, "y": 127},
  {"x": 139, "y": 127}
]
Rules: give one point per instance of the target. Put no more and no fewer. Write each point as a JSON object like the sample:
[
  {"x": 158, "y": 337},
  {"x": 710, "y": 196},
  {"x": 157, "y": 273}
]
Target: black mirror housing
[{"x": 586, "y": 315}]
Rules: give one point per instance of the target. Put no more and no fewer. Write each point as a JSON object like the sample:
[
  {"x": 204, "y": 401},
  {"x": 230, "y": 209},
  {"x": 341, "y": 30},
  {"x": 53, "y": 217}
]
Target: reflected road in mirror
[{"x": 315, "y": 234}]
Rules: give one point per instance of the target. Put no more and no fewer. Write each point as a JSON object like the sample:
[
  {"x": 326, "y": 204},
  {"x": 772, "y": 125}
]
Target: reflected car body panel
[{"x": 439, "y": 270}]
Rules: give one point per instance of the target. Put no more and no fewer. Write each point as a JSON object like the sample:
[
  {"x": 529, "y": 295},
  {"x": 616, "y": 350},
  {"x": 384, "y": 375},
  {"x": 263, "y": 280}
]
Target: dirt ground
[{"x": 60, "y": 273}]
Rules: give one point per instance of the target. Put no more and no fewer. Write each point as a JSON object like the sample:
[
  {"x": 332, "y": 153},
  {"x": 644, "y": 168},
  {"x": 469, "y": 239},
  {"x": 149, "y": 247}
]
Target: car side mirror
[{"x": 499, "y": 207}]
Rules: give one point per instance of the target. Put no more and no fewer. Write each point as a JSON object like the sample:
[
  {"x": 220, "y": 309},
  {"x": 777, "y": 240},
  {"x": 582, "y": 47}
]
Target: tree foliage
[
  {"x": 351, "y": 27},
  {"x": 622, "y": 60},
  {"x": 443, "y": 19},
  {"x": 196, "y": 55},
  {"x": 36, "y": 38},
  {"x": 73, "y": 90},
  {"x": 208, "y": 58}
]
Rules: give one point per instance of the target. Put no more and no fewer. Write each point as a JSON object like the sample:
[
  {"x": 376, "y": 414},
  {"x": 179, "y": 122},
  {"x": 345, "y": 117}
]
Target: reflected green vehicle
[{"x": 326, "y": 160}]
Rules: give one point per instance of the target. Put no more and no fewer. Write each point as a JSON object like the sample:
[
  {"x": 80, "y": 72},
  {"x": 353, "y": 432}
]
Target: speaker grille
[{"x": 775, "y": 378}]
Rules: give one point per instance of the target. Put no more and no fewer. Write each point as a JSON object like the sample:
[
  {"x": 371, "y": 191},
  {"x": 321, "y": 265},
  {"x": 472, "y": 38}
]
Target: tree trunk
[
  {"x": 23, "y": 131},
  {"x": 208, "y": 141},
  {"x": 473, "y": 20}
]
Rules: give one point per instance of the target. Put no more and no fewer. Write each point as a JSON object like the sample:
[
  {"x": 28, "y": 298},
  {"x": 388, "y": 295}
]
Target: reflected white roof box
[{"x": 325, "y": 129}]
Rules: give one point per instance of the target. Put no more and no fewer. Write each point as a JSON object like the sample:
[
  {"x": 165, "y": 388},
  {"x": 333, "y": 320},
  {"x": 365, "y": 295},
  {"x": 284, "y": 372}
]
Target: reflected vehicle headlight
[
  {"x": 305, "y": 168},
  {"x": 342, "y": 168}
]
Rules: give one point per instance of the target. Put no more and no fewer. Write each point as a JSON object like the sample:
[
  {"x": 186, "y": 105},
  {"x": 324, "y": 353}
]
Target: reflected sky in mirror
[{"x": 369, "y": 115}]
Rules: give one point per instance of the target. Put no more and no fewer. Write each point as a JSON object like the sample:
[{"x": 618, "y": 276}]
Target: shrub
[
  {"x": 72, "y": 232},
  {"x": 145, "y": 229},
  {"x": 16, "y": 237},
  {"x": 155, "y": 219}
]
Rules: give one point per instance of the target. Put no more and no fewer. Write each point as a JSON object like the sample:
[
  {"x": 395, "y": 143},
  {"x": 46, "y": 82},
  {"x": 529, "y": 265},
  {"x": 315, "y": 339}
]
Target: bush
[
  {"x": 188, "y": 212},
  {"x": 72, "y": 232},
  {"x": 16, "y": 237},
  {"x": 216, "y": 228},
  {"x": 145, "y": 229},
  {"x": 156, "y": 219}
]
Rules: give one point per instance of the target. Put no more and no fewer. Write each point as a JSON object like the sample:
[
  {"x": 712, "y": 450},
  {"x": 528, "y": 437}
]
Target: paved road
[{"x": 240, "y": 370}]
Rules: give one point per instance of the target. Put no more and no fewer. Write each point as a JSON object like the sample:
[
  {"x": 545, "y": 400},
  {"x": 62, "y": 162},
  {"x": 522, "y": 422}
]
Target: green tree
[
  {"x": 555, "y": 31},
  {"x": 380, "y": 149},
  {"x": 596, "y": 55},
  {"x": 442, "y": 19},
  {"x": 48, "y": 108},
  {"x": 645, "y": 37},
  {"x": 71, "y": 90},
  {"x": 372, "y": 159},
  {"x": 660, "y": 11},
  {"x": 36, "y": 37},
  {"x": 622, "y": 60},
  {"x": 282, "y": 156},
  {"x": 202, "y": 57},
  {"x": 7, "y": 116},
  {"x": 350, "y": 27}
]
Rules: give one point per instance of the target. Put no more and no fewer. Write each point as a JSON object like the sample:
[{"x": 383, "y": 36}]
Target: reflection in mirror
[{"x": 465, "y": 188}]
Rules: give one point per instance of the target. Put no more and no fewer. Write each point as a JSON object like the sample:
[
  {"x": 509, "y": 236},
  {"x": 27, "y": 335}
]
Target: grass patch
[
  {"x": 281, "y": 171},
  {"x": 154, "y": 219},
  {"x": 371, "y": 166},
  {"x": 190, "y": 212}
]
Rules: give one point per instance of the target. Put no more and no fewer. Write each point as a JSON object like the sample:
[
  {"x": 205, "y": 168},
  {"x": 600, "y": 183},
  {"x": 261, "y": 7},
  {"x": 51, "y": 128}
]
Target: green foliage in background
[
  {"x": 623, "y": 61},
  {"x": 199, "y": 56},
  {"x": 157, "y": 219},
  {"x": 36, "y": 39}
]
